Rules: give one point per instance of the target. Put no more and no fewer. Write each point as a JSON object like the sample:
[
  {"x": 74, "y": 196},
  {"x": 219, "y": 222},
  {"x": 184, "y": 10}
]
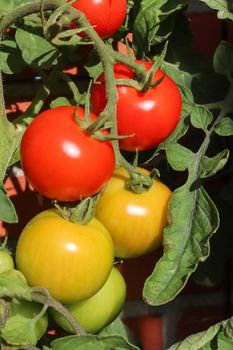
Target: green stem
[{"x": 42, "y": 296}]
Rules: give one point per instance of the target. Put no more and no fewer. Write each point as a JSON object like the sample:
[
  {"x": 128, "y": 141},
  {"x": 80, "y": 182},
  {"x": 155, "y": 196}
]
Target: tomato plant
[
  {"x": 104, "y": 15},
  {"x": 71, "y": 260},
  {"x": 102, "y": 308},
  {"x": 6, "y": 260},
  {"x": 60, "y": 160},
  {"x": 134, "y": 221},
  {"x": 147, "y": 117},
  {"x": 150, "y": 94}
]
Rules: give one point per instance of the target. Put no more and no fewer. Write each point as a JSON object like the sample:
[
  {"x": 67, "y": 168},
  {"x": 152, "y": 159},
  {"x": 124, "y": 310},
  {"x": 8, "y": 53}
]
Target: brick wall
[{"x": 196, "y": 308}]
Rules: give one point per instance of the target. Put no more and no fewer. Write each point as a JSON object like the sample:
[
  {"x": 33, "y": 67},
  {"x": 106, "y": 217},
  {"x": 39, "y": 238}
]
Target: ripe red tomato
[
  {"x": 101, "y": 309},
  {"x": 150, "y": 117},
  {"x": 105, "y": 15},
  {"x": 134, "y": 221},
  {"x": 71, "y": 260},
  {"x": 60, "y": 160}
]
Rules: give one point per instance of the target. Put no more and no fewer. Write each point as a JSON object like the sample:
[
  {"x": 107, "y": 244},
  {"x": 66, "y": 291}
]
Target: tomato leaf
[
  {"x": 149, "y": 17},
  {"x": 224, "y": 127},
  {"x": 13, "y": 284},
  {"x": 60, "y": 101},
  {"x": 205, "y": 340},
  {"x": 118, "y": 328},
  {"x": 7, "y": 210},
  {"x": 19, "y": 330},
  {"x": 223, "y": 59},
  {"x": 221, "y": 7},
  {"x": 210, "y": 166},
  {"x": 7, "y": 5},
  {"x": 36, "y": 50},
  {"x": 179, "y": 156},
  {"x": 10, "y": 57},
  {"x": 91, "y": 342},
  {"x": 201, "y": 117},
  {"x": 193, "y": 220}
]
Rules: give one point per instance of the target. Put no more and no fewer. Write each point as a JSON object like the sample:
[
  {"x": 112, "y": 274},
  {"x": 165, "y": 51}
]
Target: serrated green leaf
[
  {"x": 8, "y": 143},
  {"x": 224, "y": 127},
  {"x": 180, "y": 77},
  {"x": 223, "y": 59},
  {"x": 203, "y": 340},
  {"x": 13, "y": 284},
  {"x": 146, "y": 24},
  {"x": 7, "y": 210},
  {"x": 36, "y": 50},
  {"x": 193, "y": 219},
  {"x": 221, "y": 6},
  {"x": 10, "y": 58},
  {"x": 201, "y": 117},
  {"x": 60, "y": 101},
  {"x": 179, "y": 157},
  {"x": 210, "y": 166},
  {"x": 118, "y": 328},
  {"x": 92, "y": 342},
  {"x": 19, "y": 330},
  {"x": 73, "y": 342},
  {"x": 7, "y": 5}
]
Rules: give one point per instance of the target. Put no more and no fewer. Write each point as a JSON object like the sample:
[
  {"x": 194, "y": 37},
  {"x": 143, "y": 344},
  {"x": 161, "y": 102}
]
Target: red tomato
[
  {"x": 150, "y": 117},
  {"x": 105, "y": 15},
  {"x": 60, "y": 160}
]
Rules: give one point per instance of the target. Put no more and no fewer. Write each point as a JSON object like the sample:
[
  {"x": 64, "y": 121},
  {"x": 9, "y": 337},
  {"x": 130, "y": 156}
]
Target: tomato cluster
[{"x": 64, "y": 162}]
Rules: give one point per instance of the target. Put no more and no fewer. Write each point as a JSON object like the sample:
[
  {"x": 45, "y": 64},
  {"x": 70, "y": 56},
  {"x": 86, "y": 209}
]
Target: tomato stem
[{"x": 42, "y": 296}]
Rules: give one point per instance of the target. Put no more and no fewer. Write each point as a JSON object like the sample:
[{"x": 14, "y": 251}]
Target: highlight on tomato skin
[
  {"x": 101, "y": 309},
  {"x": 106, "y": 16},
  {"x": 151, "y": 116},
  {"x": 71, "y": 260},
  {"x": 60, "y": 160},
  {"x": 135, "y": 221}
]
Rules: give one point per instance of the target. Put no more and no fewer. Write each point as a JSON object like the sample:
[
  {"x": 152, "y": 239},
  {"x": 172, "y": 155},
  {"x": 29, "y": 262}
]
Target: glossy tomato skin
[
  {"x": 101, "y": 309},
  {"x": 134, "y": 221},
  {"x": 106, "y": 16},
  {"x": 71, "y": 260},
  {"x": 62, "y": 162},
  {"x": 6, "y": 261},
  {"x": 150, "y": 117}
]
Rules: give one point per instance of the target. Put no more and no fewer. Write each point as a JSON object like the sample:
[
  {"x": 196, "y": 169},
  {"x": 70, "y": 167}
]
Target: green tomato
[
  {"x": 99, "y": 310},
  {"x": 6, "y": 261}
]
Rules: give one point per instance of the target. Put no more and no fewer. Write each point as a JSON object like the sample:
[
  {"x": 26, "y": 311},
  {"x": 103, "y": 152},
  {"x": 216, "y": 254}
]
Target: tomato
[
  {"x": 60, "y": 160},
  {"x": 27, "y": 310},
  {"x": 71, "y": 260},
  {"x": 106, "y": 16},
  {"x": 6, "y": 261},
  {"x": 135, "y": 221},
  {"x": 99, "y": 310},
  {"x": 150, "y": 117}
]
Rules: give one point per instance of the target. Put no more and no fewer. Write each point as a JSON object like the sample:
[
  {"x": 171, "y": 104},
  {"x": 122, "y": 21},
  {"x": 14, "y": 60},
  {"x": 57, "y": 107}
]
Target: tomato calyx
[
  {"x": 80, "y": 213},
  {"x": 140, "y": 182}
]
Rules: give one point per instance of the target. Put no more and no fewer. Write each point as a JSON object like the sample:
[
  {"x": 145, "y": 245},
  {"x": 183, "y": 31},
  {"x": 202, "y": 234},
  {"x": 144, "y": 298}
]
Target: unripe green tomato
[
  {"x": 98, "y": 311},
  {"x": 6, "y": 261}
]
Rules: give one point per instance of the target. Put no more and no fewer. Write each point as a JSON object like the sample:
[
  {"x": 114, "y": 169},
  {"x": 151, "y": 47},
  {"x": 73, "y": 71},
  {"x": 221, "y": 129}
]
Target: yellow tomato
[
  {"x": 134, "y": 221},
  {"x": 71, "y": 260}
]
